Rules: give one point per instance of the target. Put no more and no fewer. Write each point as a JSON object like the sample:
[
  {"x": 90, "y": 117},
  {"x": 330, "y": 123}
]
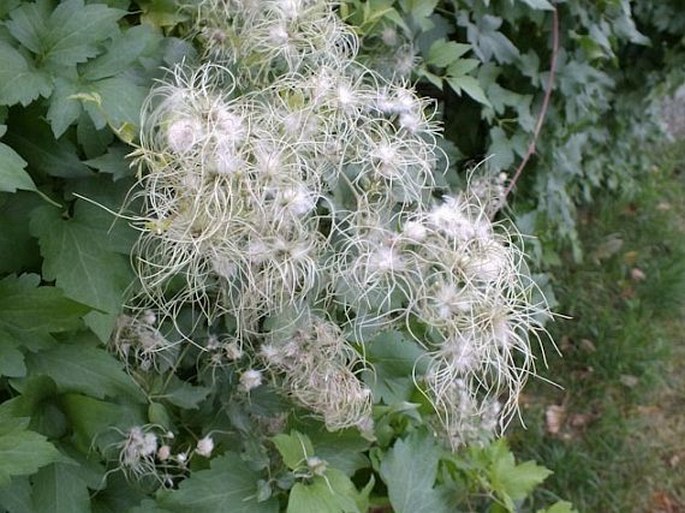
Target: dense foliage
[
  {"x": 163, "y": 407},
  {"x": 612, "y": 61}
]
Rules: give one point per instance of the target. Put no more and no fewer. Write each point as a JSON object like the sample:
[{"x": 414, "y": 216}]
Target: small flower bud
[
  {"x": 212, "y": 342},
  {"x": 149, "y": 444},
  {"x": 164, "y": 453},
  {"x": 149, "y": 317},
  {"x": 205, "y": 446},
  {"x": 233, "y": 351},
  {"x": 250, "y": 380},
  {"x": 316, "y": 465},
  {"x": 389, "y": 36}
]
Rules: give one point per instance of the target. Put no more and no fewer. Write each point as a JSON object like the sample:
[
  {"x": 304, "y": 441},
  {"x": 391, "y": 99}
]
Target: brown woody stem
[{"x": 545, "y": 104}]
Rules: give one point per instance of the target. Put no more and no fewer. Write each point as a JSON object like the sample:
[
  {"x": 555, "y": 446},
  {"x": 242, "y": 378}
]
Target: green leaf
[
  {"x": 81, "y": 367},
  {"x": 530, "y": 67},
  {"x": 512, "y": 482},
  {"x": 12, "y": 173},
  {"x": 422, "y": 8},
  {"x": 500, "y": 98},
  {"x": 624, "y": 26},
  {"x": 63, "y": 110},
  {"x": 115, "y": 101},
  {"x": 462, "y": 67},
  {"x": 74, "y": 31},
  {"x": 77, "y": 255},
  {"x": 409, "y": 470},
  {"x": 559, "y": 507},
  {"x": 18, "y": 248},
  {"x": 148, "y": 506},
  {"x": 11, "y": 359},
  {"x": 121, "y": 495},
  {"x": 518, "y": 480},
  {"x": 183, "y": 394},
  {"x": 7, "y": 5},
  {"x": 27, "y": 24},
  {"x": 38, "y": 401},
  {"x": 158, "y": 414},
  {"x": 431, "y": 77},
  {"x": 162, "y": 13},
  {"x": 23, "y": 452},
  {"x": 20, "y": 81},
  {"x": 501, "y": 150},
  {"x": 539, "y": 4},
  {"x": 113, "y": 162},
  {"x": 93, "y": 141},
  {"x": 229, "y": 486},
  {"x": 124, "y": 50},
  {"x": 93, "y": 420},
  {"x": 33, "y": 139},
  {"x": 332, "y": 493},
  {"x": 86, "y": 466},
  {"x": 343, "y": 450},
  {"x": 102, "y": 324},
  {"x": 393, "y": 357},
  {"x": 28, "y": 308},
  {"x": 115, "y": 234},
  {"x": 16, "y": 496},
  {"x": 443, "y": 53},
  {"x": 58, "y": 488},
  {"x": 294, "y": 448},
  {"x": 470, "y": 86},
  {"x": 487, "y": 40}
]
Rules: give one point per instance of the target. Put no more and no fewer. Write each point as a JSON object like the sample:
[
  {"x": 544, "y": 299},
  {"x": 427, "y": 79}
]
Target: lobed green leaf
[
  {"x": 442, "y": 53},
  {"x": 539, "y": 4},
  {"x": 409, "y": 470},
  {"x": 59, "y": 488},
  {"x": 20, "y": 81},
  {"x": 331, "y": 493},
  {"x": 74, "y": 31},
  {"x": 28, "y": 308},
  {"x": 13, "y": 175},
  {"x": 15, "y": 497},
  {"x": 23, "y": 452},
  {"x": 228, "y": 486},
  {"x": 294, "y": 448},
  {"x": 82, "y": 367},
  {"x": 77, "y": 255}
]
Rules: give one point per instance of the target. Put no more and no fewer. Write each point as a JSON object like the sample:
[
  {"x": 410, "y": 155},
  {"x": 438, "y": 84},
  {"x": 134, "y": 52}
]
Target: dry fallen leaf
[
  {"x": 580, "y": 420},
  {"x": 565, "y": 344},
  {"x": 637, "y": 274},
  {"x": 587, "y": 345},
  {"x": 675, "y": 460},
  {"x": 629, "y": 381},
  {"x": 611, "y": 245},
  {"x": 555, "y": 416},
  {"x": 662, "y": 502}
]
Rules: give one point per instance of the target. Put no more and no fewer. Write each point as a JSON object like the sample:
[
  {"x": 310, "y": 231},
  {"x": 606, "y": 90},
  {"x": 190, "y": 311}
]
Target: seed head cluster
[{"x": 292, "y": 189}]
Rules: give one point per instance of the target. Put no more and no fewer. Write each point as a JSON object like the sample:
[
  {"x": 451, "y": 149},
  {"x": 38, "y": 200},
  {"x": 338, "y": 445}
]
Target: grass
[{"x": 615, "y": 435}]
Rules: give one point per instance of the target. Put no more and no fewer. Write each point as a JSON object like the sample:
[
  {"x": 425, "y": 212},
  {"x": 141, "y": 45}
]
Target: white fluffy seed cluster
[
  {"x": 319, "y": 369},
  {"x": 284, "y": 179},
  {"x": 146, "y": 451}
]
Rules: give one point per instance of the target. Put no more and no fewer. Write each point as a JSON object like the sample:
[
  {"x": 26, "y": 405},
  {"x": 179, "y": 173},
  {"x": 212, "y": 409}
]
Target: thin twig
[{"x": 545, "y": 104}]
